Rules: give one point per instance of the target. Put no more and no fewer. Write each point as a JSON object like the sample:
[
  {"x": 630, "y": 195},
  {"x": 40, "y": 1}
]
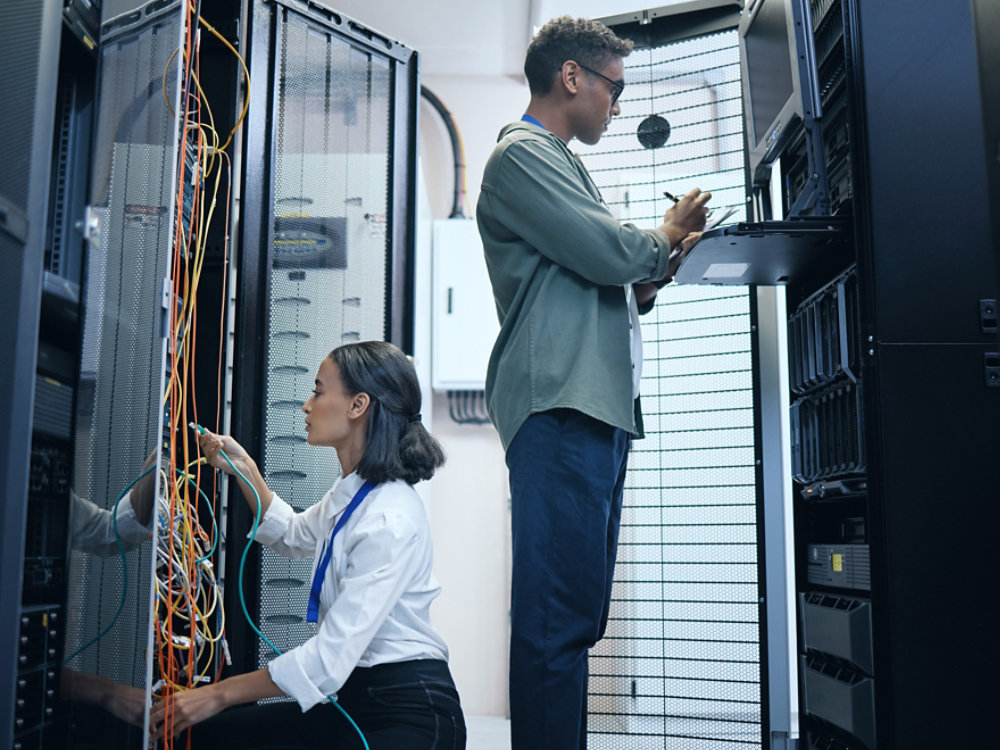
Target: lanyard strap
[
  {"x": 532, "y": 120},
  {"x": 312, "y": 614}
]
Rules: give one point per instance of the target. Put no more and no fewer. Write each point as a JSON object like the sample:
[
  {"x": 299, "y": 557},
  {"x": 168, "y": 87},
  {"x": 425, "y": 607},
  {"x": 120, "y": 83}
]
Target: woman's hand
[
  {"x": 186, "y": 708},
  {"x": 252, "y": 483},
  {"x": 212, "y": 446},
  {"x": 189, "y": 707}
]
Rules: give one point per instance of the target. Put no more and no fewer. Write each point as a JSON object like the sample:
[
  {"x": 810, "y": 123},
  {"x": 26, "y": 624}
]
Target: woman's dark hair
[
  {"x": 397, "y": 445},
  {"x": 588, "y": 42}
]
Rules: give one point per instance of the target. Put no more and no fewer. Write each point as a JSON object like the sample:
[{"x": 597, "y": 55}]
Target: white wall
[
  {"x": 469, "y": 495},
  {"x": 470, "y": 57}
]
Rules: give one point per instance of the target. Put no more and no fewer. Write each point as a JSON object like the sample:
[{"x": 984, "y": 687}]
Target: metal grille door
[
  {"x": 680, "y": 665},
  {"x": 119, "y": 413},
  {"x": 329, "y": 266}
]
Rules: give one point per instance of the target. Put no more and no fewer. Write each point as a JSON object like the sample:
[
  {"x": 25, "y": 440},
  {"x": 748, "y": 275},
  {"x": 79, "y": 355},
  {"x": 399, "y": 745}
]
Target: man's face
[{"x": 597, "y": 100}]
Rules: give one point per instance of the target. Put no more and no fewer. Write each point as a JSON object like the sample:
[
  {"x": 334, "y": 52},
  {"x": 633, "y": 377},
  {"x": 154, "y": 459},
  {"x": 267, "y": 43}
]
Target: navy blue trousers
[{"x": 567, "y": 474}]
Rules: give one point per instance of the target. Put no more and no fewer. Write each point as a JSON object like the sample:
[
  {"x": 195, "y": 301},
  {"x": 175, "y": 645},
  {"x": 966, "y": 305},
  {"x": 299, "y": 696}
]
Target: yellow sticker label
[{"x": 838, "y": 562}]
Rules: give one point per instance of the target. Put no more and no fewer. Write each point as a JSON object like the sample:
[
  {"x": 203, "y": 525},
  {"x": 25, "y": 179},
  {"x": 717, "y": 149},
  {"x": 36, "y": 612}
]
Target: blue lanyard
[
  {"x": 312, "y": 614},
  {"x": 532, "y": 120}
]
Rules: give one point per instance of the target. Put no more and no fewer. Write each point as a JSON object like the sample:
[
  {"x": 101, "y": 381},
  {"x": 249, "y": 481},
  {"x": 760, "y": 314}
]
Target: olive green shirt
[{"x": 559, "y": 262}]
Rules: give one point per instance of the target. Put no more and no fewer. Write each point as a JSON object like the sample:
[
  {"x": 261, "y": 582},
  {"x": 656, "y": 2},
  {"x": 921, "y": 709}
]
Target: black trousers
[{"x": 410, "y": 705}]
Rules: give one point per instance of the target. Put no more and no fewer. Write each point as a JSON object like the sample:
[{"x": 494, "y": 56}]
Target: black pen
[{"x": 708, "y": 212}]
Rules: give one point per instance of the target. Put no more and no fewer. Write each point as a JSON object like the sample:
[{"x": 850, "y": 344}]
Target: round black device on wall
[{"x": 653, "y": 131}]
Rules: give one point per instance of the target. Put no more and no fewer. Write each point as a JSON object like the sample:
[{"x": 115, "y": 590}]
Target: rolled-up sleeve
[
  {"x": 382, "y": 550},
  {"x": 286, "y": 532},
  {"x": 93, "y": 529}
]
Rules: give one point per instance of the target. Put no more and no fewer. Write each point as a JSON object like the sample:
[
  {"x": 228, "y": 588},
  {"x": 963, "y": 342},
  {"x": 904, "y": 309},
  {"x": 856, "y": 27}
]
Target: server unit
[{"x": 50, "y": 74}]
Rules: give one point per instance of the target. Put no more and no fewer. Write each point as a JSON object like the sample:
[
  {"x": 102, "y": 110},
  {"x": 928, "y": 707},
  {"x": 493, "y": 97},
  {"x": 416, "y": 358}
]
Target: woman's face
[{"x": 327, "y": 409}]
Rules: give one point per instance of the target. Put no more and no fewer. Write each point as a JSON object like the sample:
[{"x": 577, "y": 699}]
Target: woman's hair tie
[{"x": 413, "y": 417}]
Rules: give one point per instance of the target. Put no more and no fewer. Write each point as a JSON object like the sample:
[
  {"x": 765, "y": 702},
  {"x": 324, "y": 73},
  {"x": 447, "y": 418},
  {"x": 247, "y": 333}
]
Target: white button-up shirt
[
  {"x": 634, "y": 339},
  {"x": 374, "y": 607}
]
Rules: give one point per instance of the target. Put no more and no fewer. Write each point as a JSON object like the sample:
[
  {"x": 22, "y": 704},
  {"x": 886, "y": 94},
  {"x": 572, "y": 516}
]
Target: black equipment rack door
[{"x": 894, "y": 375}]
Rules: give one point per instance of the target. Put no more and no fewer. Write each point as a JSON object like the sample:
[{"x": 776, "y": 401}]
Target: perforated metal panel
[
  {"x": 119, "y": 407},
  {"x": 329, "y": 266},
  {"x": 680, "y": 665},
  {"x": 122, "y": 355}
]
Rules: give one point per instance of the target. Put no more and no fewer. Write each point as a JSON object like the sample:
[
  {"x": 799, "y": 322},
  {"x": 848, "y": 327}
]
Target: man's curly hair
[{"x": 588, "y": 42}]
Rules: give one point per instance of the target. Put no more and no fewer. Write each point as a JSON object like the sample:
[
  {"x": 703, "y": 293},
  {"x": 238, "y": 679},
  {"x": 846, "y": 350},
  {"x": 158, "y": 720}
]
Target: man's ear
[
  {"x": 570, "y": 77},
  {"x": 359, "y": 405}
]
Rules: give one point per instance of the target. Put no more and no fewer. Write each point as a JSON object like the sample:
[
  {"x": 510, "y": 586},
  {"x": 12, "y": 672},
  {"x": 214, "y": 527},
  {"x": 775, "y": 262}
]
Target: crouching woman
[{"x": 374, "y": 650}]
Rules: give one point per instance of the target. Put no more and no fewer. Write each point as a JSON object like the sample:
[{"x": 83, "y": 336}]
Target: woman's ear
[{"x": 359, "y": 405}]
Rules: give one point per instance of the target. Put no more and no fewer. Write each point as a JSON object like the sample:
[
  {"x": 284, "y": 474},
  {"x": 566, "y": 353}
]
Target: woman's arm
[
  {"x": 185, "y": 709},
  {"x": 385, "y": 552}
]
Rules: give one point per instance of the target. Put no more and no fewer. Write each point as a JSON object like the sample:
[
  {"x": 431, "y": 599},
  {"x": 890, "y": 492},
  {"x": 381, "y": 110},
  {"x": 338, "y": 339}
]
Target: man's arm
[
  {"x": 645, "y": 292},
  {"x": 537, "y": 194}
]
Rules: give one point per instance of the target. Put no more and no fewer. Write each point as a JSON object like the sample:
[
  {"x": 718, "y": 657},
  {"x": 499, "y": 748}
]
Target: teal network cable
[{"x": 239, "y": 583}]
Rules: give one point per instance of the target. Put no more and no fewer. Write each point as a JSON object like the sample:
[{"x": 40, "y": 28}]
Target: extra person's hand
[{"x": 127, "y": 703}]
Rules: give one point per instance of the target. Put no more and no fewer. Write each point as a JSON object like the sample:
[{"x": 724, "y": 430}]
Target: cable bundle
[{"x": 189, "y": 619}]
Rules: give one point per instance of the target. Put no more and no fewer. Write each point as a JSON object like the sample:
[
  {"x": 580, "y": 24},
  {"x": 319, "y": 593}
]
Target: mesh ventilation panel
[
  {"x": 679, "y": 666},
  {"x": 119, "y": 416},
  {"x": 329, "y": 269}
]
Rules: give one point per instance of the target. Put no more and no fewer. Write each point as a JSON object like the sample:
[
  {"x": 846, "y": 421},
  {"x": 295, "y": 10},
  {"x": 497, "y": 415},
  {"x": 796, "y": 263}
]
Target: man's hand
[
  {"x": 685, "y": 217},
  {"x": 681, "y": 252}
]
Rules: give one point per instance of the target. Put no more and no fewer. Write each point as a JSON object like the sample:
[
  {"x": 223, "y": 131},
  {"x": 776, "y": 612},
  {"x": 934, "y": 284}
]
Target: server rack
[
  {"x": 893, "y": 373},
  {"x": 895, "y": 455},
  {"x": 48, "y": 92}
]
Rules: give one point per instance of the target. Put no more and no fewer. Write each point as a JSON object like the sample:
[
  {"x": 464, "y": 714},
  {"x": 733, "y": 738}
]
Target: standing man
[{"x": 569, "y": 282}]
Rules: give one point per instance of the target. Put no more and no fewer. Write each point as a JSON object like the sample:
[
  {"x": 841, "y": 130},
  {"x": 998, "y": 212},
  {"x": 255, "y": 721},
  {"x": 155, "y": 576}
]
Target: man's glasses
[{"x": 618, "y": 86}]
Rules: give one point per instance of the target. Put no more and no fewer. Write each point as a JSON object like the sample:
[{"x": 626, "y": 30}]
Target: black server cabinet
[
  {"x": 47, "y": 93},
  {"x": 894, "y": 379},
  {"x": 894, "y": 362}
]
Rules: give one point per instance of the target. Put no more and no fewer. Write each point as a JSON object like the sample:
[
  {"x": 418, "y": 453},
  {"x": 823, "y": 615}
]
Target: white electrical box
[{"x": 464, "y": 316}]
